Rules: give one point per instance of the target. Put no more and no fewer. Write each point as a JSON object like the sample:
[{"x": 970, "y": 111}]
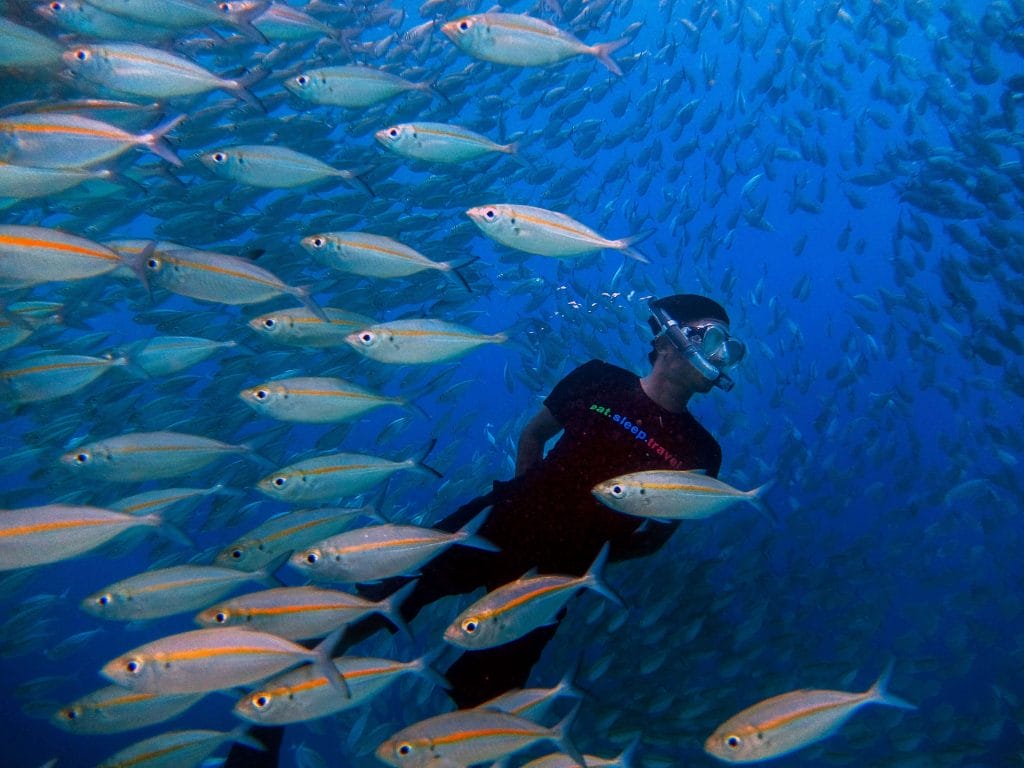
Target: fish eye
[
  {"x": 366, "y": 338},
  {"x": 261, "y": 394},
  {"x": 56, "y": 6},
  {"x": 226, "y": 7},
  {"x": 237, "y": 554},
  {"x": 279, "y": 482},
  {"x": 70, "y": 713},
  {"x": 404, "y": 749},
  {"x": 82, "y": 55},
  {"x": 153, "y": 263},
  {"x": 133, "y": 667},
  {"x": 269, "y": 322},
  {"x": 393, "y": 133},
  {"x": 82, "y": 458},
  {"x": 260, "y": 701},
  {"x": 104, "y": 599},
  {"x": 219, "y": 157},
  {"x": 220, "y": 617},
  {"x": 733, "y": 742},
  {"x": 618, "y": 490},
  {"x": 318, "y": 242},
  {"x": 490, "y": 213},
  {"x": 302, "y": 80},
  {"x": 464, "y": 25},
  {"x": 469, "y": 626},
  {"x": 312, "y": 557}
]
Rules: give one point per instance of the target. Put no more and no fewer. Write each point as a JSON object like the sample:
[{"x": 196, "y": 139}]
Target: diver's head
[{"x": 698, "y": 328}]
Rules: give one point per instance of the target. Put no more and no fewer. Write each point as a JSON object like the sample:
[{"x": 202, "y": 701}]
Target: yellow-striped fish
[
  {"x": 439, "y": 142},
  {"x": 350, "y": 86},
  {"x": 785, "y": 723},
  {"x": 148, "y": 455},
  {"x": 166, "y": 591},
  {"x": 60, "y": 140},
  {"x": 523, "y": 41},
  {"x": 314, "y": 399},
  {"x": 547, "y": 233},
  {"x": 214, "y": 659},
  {"x": 419, "y": 340},
  {"x": 33, "y": 255},
  {"x": 381, "y": 551},
  {"x": 304, "y": 328},
  {"x": 512, "y": 610},
  {"x": 300, "y": 613},
  {"x": 130, "y": 68},
  {"x": 673, "y": 494},
  {"x": 362, "y": 253},
  {"x": 218, "y": 277},
  {"x": 471, "y": 736},
  {"x": 114, "y": 709},
  {"x": 302, "y": 694},
  {"x": 333, "y": 476},
  {"x": 47, "y": 534},
  {"x": 274, "y": 167},
  {"x": 46, "y": 377}
]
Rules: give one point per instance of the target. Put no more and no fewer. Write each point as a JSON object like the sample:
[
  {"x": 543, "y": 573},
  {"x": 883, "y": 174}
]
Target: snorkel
[{"x": 691, "y": 341}]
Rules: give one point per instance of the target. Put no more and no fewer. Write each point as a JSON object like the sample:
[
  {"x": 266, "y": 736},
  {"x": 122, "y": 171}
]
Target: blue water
[{"x": 863, "y": 395}]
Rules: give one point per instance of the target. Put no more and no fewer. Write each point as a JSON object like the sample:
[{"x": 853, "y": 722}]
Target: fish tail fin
[
  {"x": 241, "y": 86},
  {"x": 124, "y": 360},
  {"x": 423, "y": 666},
  {"x": 242, "y": 21},
  {"x": 452, "y": 268},
  {"x": 354, "y": 176},
  {"x": 304, "y": 294},
  {"x": 499, "y": 338},
  {"x": 468, "y": 532},
  {"x": 756, "y": 497},
  {"x": 154, "y": 140},
  {"x": 418, "y": 461},
  {"x": 604, "y": 51},
  {"x": 137, "y": 264},
  {"x": 560, "y": 736},
  {"x": 593, "y": 578},
  {"x": 324, "y": 664},
  {"x": 512, "y": 148},
  {"x": 626, "y": 244},
  {"x": 390, "y": 607},
  {"x": 878, "y": 694},
  {"x": 168, "y": 529}
]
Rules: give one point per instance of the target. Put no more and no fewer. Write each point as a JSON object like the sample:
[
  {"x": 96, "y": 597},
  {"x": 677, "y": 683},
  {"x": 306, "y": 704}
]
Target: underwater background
[{"x": 845, "y": 179}]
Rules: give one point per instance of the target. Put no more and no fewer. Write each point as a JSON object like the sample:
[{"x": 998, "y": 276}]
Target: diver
[{"x": 545, "y": 518}]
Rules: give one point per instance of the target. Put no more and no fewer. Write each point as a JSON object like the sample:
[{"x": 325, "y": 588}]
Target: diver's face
[{"x": 681, "y": 371}]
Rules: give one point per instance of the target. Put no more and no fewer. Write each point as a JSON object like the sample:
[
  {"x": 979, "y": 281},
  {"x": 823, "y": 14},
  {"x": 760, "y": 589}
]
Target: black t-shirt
[{"x": 548, "y": 518}]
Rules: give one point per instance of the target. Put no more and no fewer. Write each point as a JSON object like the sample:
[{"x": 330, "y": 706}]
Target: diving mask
[{"x": 706, "y": 344}]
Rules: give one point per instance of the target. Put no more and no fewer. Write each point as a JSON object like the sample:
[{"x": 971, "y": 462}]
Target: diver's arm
[{"x": 541, "y": 428}]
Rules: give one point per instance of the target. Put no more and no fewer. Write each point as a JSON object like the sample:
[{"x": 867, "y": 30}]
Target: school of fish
[{"x": 280, "y": 283}]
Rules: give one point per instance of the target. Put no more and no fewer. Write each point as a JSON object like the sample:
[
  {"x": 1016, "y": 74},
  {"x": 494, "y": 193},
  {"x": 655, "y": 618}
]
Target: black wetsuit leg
[{"x": 455, "y": 571}]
